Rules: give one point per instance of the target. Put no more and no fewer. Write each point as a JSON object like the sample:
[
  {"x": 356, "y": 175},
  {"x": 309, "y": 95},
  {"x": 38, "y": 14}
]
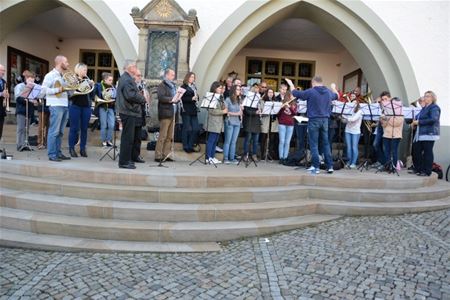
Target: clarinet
[{"x": 194, "y": 88}]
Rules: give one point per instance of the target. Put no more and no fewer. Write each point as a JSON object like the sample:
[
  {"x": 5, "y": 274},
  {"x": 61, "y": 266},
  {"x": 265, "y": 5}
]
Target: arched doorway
[
  {"x": 99, "y": 14},
  {"x": 374, "y": 46}
]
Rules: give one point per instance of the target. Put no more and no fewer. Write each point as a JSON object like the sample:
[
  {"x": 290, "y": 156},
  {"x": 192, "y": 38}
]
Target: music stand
[
  {"x": 396, "y": 112},
  {"x": 366, "y": 163},
  {"x": 340, "y": 111},
  {"x": 32, "y": 94},
  {"x": 210, "y": 101},
  {"x": 270, "y": 108},
  {"x": 114, "y": 147},
  {"x": 251, "y": 103}
]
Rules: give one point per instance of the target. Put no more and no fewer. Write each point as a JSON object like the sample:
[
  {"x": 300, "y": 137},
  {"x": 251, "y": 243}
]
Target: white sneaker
[
  {"x": 310, "y": 169},
  {"x": 352, "y": 167},
  {"x": 218, "y": 149},
  {"x": 227, "y": 162},
  {"x": 210, "y": 161},
  {"x": 105, "y": 144},
  {"x": 330, "y": 171},
  {"x": 216, "y": 161}
]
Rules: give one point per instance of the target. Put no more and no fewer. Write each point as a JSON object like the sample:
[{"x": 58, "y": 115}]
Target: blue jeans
[
  {"x": 284, "y": 135},
  {"x": 254, "y": 137},
  {"x": 300, "y": 132},
  {"x": 79, "y": 122},
  {"x": 318, "y": 130},
  {"x": 211, "y": 144},
  {"x": 352, "y": 141},
  {"x": 58, "y": 121},
  {"x": 231, "y": 136},
  {"x": 391, "y": 150},
  {"x": 107, "y": 123},
  {"x": 189, "y": 132},
  {"x": 378, "y": 145}
]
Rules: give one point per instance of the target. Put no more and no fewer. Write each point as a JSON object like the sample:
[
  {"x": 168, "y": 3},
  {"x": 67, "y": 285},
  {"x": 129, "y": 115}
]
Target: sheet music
[
  {"x": 411, "y": 112},
  {"x": 210, "y": 100},
  {"x": 301, "y": 107},
  {"x": 343, "y": 108},
  {"x": 375, "y": 109},
  {"x": 301, "y": 119},
  {"x": 35, "y": 92},
  {"x": 251, "y": 100},
  {"x": 180, "y": 92},
  {"x": 271, "y": 107},
  {"x": 387, "y": 108}
]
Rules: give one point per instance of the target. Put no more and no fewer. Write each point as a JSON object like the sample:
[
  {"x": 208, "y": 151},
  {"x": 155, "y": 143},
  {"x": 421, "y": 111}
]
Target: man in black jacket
[
  {"x": 128, "y": 104},
  {"x": 166, "y": 111}
]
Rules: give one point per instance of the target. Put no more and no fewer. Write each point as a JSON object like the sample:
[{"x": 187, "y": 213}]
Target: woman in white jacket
[{"x": 352, "y": 134}]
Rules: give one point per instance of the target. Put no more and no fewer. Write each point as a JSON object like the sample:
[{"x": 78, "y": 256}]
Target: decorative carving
[{"x": 163, "y": 9}]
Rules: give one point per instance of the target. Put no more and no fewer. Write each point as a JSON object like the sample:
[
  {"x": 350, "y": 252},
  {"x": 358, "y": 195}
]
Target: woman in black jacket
[{"x": 189, "y": 113}]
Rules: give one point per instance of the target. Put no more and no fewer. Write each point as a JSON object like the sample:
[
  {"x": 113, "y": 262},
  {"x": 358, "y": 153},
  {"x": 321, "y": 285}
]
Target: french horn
[{"x": 108, "y": 96}]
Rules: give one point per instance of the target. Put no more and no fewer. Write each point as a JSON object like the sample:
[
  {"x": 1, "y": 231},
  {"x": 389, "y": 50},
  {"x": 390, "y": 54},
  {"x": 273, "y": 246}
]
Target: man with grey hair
[
  {"x": 166, "y": 112},
  {"x": 57, "y": 100},
  {"x": 128, "y": 103}
]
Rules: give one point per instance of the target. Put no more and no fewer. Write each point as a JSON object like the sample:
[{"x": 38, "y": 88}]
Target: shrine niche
[{"x": 165, "y": 32}]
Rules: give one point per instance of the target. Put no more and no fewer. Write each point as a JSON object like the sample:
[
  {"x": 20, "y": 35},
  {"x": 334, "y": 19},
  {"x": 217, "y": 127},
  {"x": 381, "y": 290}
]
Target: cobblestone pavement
[{"x": 399, "y": 257}]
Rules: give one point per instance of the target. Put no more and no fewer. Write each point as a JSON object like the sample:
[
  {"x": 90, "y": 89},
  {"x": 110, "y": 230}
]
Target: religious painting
[
  {"x": 162, "y": 53},
  {"x": 351, "y": 81}
]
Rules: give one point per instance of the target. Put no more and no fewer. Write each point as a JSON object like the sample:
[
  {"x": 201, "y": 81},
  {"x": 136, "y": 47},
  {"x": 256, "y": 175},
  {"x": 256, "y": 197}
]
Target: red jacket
[{"x": 286, "y": 115}]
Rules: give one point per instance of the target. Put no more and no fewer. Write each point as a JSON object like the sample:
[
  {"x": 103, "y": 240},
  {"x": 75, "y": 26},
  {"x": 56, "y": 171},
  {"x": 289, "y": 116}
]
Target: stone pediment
[{"x": 165, "y": 13}]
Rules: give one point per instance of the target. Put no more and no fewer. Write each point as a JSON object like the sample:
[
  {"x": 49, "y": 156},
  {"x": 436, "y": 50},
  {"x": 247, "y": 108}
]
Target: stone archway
[
  {"x": 374, "y": 46},
  {"x": 98, "y": 13}
]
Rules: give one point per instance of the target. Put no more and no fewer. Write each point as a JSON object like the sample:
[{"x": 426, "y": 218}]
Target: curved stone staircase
[{"x": 73, "y": 207}]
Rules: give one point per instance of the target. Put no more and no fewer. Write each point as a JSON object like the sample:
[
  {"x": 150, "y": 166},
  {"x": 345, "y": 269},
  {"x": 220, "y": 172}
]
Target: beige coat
[{"x": 393, "y": 127}]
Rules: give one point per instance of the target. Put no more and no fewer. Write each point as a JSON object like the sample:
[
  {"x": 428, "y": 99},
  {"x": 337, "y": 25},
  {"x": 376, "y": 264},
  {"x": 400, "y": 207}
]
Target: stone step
[
  {"x": 15, "y": 238},
  {"x": 183, "y": 176},
  {"x": 147, "y": 231},
  {"x": 348, "y": 208},
  {"x": 62, "y": 187},
  {"x": 162, "y": 212}
]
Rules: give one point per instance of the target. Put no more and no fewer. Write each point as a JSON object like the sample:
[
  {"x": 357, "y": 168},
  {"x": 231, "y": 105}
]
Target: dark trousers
[
  {"x": 425, "y": 157},
  {"x": 2, "y": 121},
  {"x": 189, "y": 133},
  {"x": 300, "y": 134},
  {"x": 129, "y": 139},
  {"x": 391, "y": 150}
]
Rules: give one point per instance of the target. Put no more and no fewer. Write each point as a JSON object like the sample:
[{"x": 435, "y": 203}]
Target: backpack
[{"x": 437, "y": 169}]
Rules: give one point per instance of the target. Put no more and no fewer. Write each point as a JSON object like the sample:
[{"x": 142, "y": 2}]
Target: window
[
  {"x": 99, "y": 61},
  {"x": 273, "y": 71}
]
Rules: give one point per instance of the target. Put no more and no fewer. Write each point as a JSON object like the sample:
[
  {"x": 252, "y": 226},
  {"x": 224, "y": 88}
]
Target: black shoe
[
  {"x": 139, "y": 160},
  {"x": 54, "y": 159},
  {"x": 422, "y": 174},
  {"x": 169, "y": 159},
  {"x": 412, "y": 171},
  {"x": 63, "y": 157},
  {"x": 158, "y": 160},
  {"x": 83, "y": 153},
  {"x": 128, "y": 166},
  {"x": 73, "y": 153},
  {"x": 281, "y": 161}
]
